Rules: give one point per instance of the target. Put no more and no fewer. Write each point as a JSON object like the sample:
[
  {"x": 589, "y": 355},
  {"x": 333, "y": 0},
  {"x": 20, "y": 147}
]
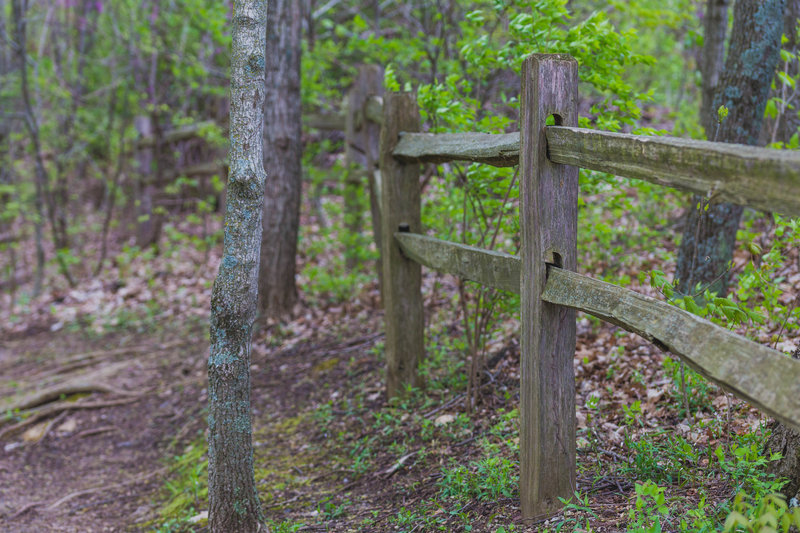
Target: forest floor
[
  {"x": 331, "y": 455},
  {"x": 103, "y": 397}
]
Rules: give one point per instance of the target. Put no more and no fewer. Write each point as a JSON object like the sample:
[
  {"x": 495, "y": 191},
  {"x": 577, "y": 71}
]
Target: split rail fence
[{"x": 544, "y": 275}]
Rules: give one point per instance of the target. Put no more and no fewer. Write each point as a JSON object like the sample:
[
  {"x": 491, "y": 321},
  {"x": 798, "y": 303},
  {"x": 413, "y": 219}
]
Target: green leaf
[
  {"x": 735, "y": 519},
  {"x": 786, "y": 79}
]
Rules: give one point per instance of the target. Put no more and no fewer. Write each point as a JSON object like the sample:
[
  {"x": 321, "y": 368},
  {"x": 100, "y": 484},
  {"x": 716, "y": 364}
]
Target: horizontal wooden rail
[
  {"x": 499, "y": 150},
  {"x": 494, "y": 269},
  {"x": 762, "y": 178},
  {"x": 326, "y": 121},
  {"x": 182, "y": 133},
  {"x": 766, "y": 378}
]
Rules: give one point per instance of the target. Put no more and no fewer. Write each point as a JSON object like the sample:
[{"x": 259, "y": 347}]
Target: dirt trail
[
  {"x": 323, "y": 460},
  {"x": 96, "y": 465}
]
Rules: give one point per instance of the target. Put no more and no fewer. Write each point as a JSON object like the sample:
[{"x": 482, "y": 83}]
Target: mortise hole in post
[
  {"x": 554, "y": 120},
  {"x": 553, "y": 259}
]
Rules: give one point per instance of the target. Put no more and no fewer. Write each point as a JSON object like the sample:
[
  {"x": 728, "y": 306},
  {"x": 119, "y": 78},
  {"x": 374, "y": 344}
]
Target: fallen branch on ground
[{"x": 389, "y": 472}]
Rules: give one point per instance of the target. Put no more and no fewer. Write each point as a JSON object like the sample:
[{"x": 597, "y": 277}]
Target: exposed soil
[{"x": 95, "y": 469}]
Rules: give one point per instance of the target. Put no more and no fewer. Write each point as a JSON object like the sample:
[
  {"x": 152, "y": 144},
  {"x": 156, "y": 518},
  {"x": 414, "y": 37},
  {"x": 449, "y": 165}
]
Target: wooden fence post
[
  {"x": 361, "y": 149},
  {"x": 402, "y": 277},
  {"x": 549, "y": 232}
]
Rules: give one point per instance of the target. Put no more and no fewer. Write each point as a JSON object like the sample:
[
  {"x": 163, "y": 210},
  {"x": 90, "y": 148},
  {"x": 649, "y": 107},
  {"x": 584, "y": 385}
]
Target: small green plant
[
  {"x": 769, "y": 514},
  {"x": 661, "y": 458},
  {"x": 633, "y": 413},
  {"x": 688, "y": 387},
  {"x": 488, "y": 479},
  {"x": 286, "y": 526},
  {"x": 649, "y": 509},
  {"x": 186, "y": 488},
  {"x": 745, "y": 464},
  {"x": 423, "y": 518},
  {"x": 361, "y": 455},
  {"x": 328, "y": 510},
  {"x": 572, "y": 506}
]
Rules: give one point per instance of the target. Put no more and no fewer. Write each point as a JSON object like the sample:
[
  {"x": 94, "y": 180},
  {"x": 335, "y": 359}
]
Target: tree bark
[
  {"x": 709, "y": 236},
  {"x": 715, "y": 26},
  {"x": 788, "y": 122},
  {"x": 233, "y": 501},
  {"x": 282, "y": 156},
  {"x": 786, "y": 441},
  {"x": 18, "y": 10}
]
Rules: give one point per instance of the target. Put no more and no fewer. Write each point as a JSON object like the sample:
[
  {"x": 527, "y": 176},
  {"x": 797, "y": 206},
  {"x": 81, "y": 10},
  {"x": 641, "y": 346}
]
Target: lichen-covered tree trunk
[
  {"x": 283, "y": 151},
  {"x": 233, "y": 501},
  {"x": 709, "y": 236}
]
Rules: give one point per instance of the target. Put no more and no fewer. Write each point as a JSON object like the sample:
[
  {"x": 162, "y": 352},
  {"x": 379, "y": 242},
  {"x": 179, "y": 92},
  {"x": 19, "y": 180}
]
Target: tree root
[
  {"x": 84, "y": 492},
  {"x": 50, "y": 425},
  {"x": 60, "y": 407},
  {"x": 82, "y": 360},
  {"x": 56, "y": 392},
  {"x": 96, "y": 431}
]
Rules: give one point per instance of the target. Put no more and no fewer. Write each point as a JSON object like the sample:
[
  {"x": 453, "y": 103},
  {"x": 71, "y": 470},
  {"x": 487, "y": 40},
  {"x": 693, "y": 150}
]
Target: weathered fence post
[
  {"x": 549, "y": 232},
  {"x": 402, "y": 277},
  {"x": 361, "y": 149}
]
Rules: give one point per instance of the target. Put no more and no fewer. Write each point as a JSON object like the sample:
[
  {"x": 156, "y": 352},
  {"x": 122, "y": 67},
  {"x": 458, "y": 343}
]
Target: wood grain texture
[
  {"x": 548, "y": 218},
  {"x": 402, "y": 277},
  {"x": 762, "y": 178},
  {"x": 499, "y": 150},
  {"x": 765, "y": 378},
  {"x": 494, "y": 269}
]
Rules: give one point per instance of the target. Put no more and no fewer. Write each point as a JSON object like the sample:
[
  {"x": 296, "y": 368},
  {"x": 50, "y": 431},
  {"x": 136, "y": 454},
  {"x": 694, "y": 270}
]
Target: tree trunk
[
  {"x": 788, "y": 121},
  {"x": 709, "y": 236},
  {"x": 715, "y": 26},
  {"x": 233, "y": 501},
  {"x": 282, "y": 156},
  {"x": 785, "y": 441},
  {"x": 40, "y": 174}
]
